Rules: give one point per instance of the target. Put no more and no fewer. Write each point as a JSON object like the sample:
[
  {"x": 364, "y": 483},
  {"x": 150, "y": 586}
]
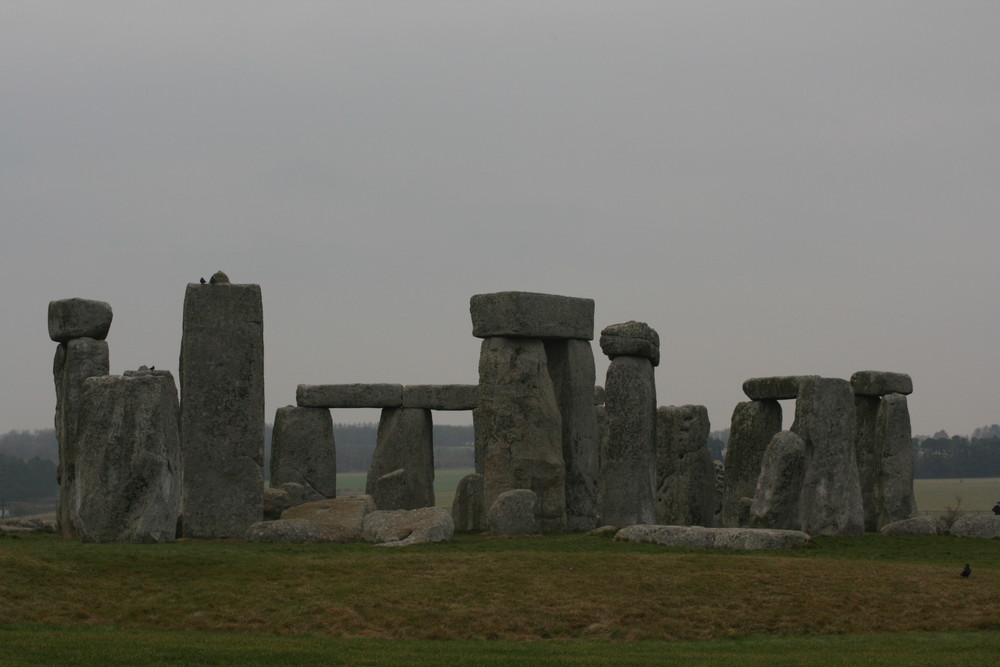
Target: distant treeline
[{"x": 943, "y": 457}]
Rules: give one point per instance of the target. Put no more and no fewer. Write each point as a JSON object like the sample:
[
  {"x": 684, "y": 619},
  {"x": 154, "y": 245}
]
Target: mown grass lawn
[{"x": 558, "y": 598}]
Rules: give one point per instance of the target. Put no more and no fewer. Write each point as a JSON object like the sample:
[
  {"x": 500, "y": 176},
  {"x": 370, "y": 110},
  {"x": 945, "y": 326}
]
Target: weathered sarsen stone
[
  {"x": 74, "y": 362},
  {"x": 222, "y": 409},
  {"x": 753, "y": 425},
  {"x": 571, "y": 368},
  {"x": 779, "y": 485},
  {"x": 868, "y": 451},
  {"x": 128, "y": 479},
  {"x": 349, "y": 395},
  {"x": 628, "y": 456},
  {"x": 519, "y": 426},
  {"x": 831, "y": 488},
  {"x": 531, "y": 315},
  {"x": 685, "y": 474},
  {"x": 773, "y": 388},
  {"x": 404, "y": 441},
  {"x": 699, "y": 537},
  {"x": 400, "y": 528},
  {"x": 303, "y": 451},
  {"x": 894, "y": 494},
  {"x": 631, "y": 339},
  {"x": 78, "y": 318},
  {"x": 514, "y": 513},
  {"x": 880, "y": 383},
  {"x": 467, "y": 509},
  {"x": 441, "y": 396}
]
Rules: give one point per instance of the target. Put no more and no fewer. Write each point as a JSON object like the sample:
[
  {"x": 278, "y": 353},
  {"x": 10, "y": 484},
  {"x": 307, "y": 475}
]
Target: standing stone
[
  {"x": 895, "y": 498},
  {"x": 753, "y": 425},
  {"x": 75, "y": 361},
  {"x": 405, "y": 441},
  {"x": 685, "y": 474},
  {"x": 467, "y": 509},
  {"x": 831, "y": 487},
  {"x": 868, "y": 454},
  {"x": 779, "y": 486},
  {"x": 222, "y": 409},
  {"x": 628, "y": 460},
  {"x": 303, "y": 451},
  {"x": 519, "y": 426},
  {"x": 571, "y": 368},
  {"x": 128, "y": 466}
]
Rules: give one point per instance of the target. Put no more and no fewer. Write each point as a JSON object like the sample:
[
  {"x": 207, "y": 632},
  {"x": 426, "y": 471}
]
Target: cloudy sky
[{"x": 776, "y": 187}]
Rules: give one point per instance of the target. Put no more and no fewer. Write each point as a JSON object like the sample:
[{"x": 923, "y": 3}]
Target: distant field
[
  {"x": 445, "y": 483},
  {"x": 977, "y": 494}
]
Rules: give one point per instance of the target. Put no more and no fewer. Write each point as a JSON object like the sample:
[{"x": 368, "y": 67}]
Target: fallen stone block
[
  {"x": 513, "y": 513},
  {"x": 398, "y": 528},
  {"x": 982, "y": 526},
  {"x": 282, "y": 530},
  {"x": 335, "y": 520},
  {"x": 915, "y": 526},
  {"x": 713, "y": 538}
]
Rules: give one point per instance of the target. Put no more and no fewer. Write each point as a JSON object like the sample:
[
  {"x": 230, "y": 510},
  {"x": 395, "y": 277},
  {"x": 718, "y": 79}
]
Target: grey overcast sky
[{"x": 776, "y": 187}]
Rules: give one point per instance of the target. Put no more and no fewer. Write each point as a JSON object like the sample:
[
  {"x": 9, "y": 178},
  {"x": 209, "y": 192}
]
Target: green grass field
[
  {"x": 970, "y": 495},
  {"x": 555, "y": 599}
]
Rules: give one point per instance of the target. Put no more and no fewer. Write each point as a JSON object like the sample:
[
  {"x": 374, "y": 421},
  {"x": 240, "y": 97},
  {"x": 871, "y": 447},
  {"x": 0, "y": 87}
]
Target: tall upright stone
[
  {"x": 519, "y": 425},
  {"x": 830, "y": 503},
  {"x": 128, "y": 485},
  {"x": 222, "y": 408},
  {"x": 685, "y": 474},
  {"x": 868, "y": 451},
  {"x": 404, "y": 442},
  {"x": 520, "y": 417},
  {"x": 571, "y": 368},
  {"x": 895, "y": 499},
  {"x": 628, "y": 460},
  {"x": 303, "y": 451},
  {"x": 753, "y": 425},
  {"x": 779, "y": 487},
  {"x": 80, "y": 326}
]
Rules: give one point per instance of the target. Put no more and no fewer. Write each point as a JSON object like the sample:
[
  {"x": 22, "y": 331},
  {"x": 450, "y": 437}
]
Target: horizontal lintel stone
[
  {"x": 349, "y": 395},
  {"x": 441, "y": 396},
  {"x": 773, "y": 388},
  {"x": 78, "y": 318},
  {"x": 880, "y": 383},
  {"x": 531, "y": 315}
]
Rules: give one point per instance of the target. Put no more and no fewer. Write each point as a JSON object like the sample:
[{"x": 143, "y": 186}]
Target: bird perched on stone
[
  {"x": 203, "y": 280},
  {"x": 967, "y": 570}
]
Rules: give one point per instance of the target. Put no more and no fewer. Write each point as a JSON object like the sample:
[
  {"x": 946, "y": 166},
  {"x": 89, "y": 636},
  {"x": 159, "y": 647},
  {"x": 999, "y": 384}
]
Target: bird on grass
[{"x": 967, "y": 570}]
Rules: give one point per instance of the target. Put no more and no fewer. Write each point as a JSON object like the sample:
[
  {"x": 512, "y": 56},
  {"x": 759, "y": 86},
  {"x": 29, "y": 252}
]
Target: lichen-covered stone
[
  {"x": 276, "y": 501},
  {"x": 773, "y": 388},
  {"x": 79, "y": 318},
  {"x": 699, "y": 537},
  {"x": 831, "y": 488},
  {"x": 222, "y": 409},
  {"x": 685, "y": 474},
  {"x": 284, "y": 531},
  {"x": 514, "y": 512},
  {"x": 441, "y": 396},
  {"x": 753, "y": 425},
  {"x": 519, "y": 427},
  {"x": 349, "y": 395},
  {"x": 128, "y": 467},
  {"x": 982, "y": 526},
  {"x": 631, "y": 339},
  {"x": 628, "y": 455},
  {"x": 880, "y": 383},
  {"x": 531, "y": 315},
  {"x": 868, "y": 450},
  {"x": 915, "y": 526},
  {"x": 779, "y": 486},
  {"x": 405, "y": 441},
  {"x": 303, "y": 451},
  {"x": 399, "y": 528},
  {"x": 334, "y": 520}
]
